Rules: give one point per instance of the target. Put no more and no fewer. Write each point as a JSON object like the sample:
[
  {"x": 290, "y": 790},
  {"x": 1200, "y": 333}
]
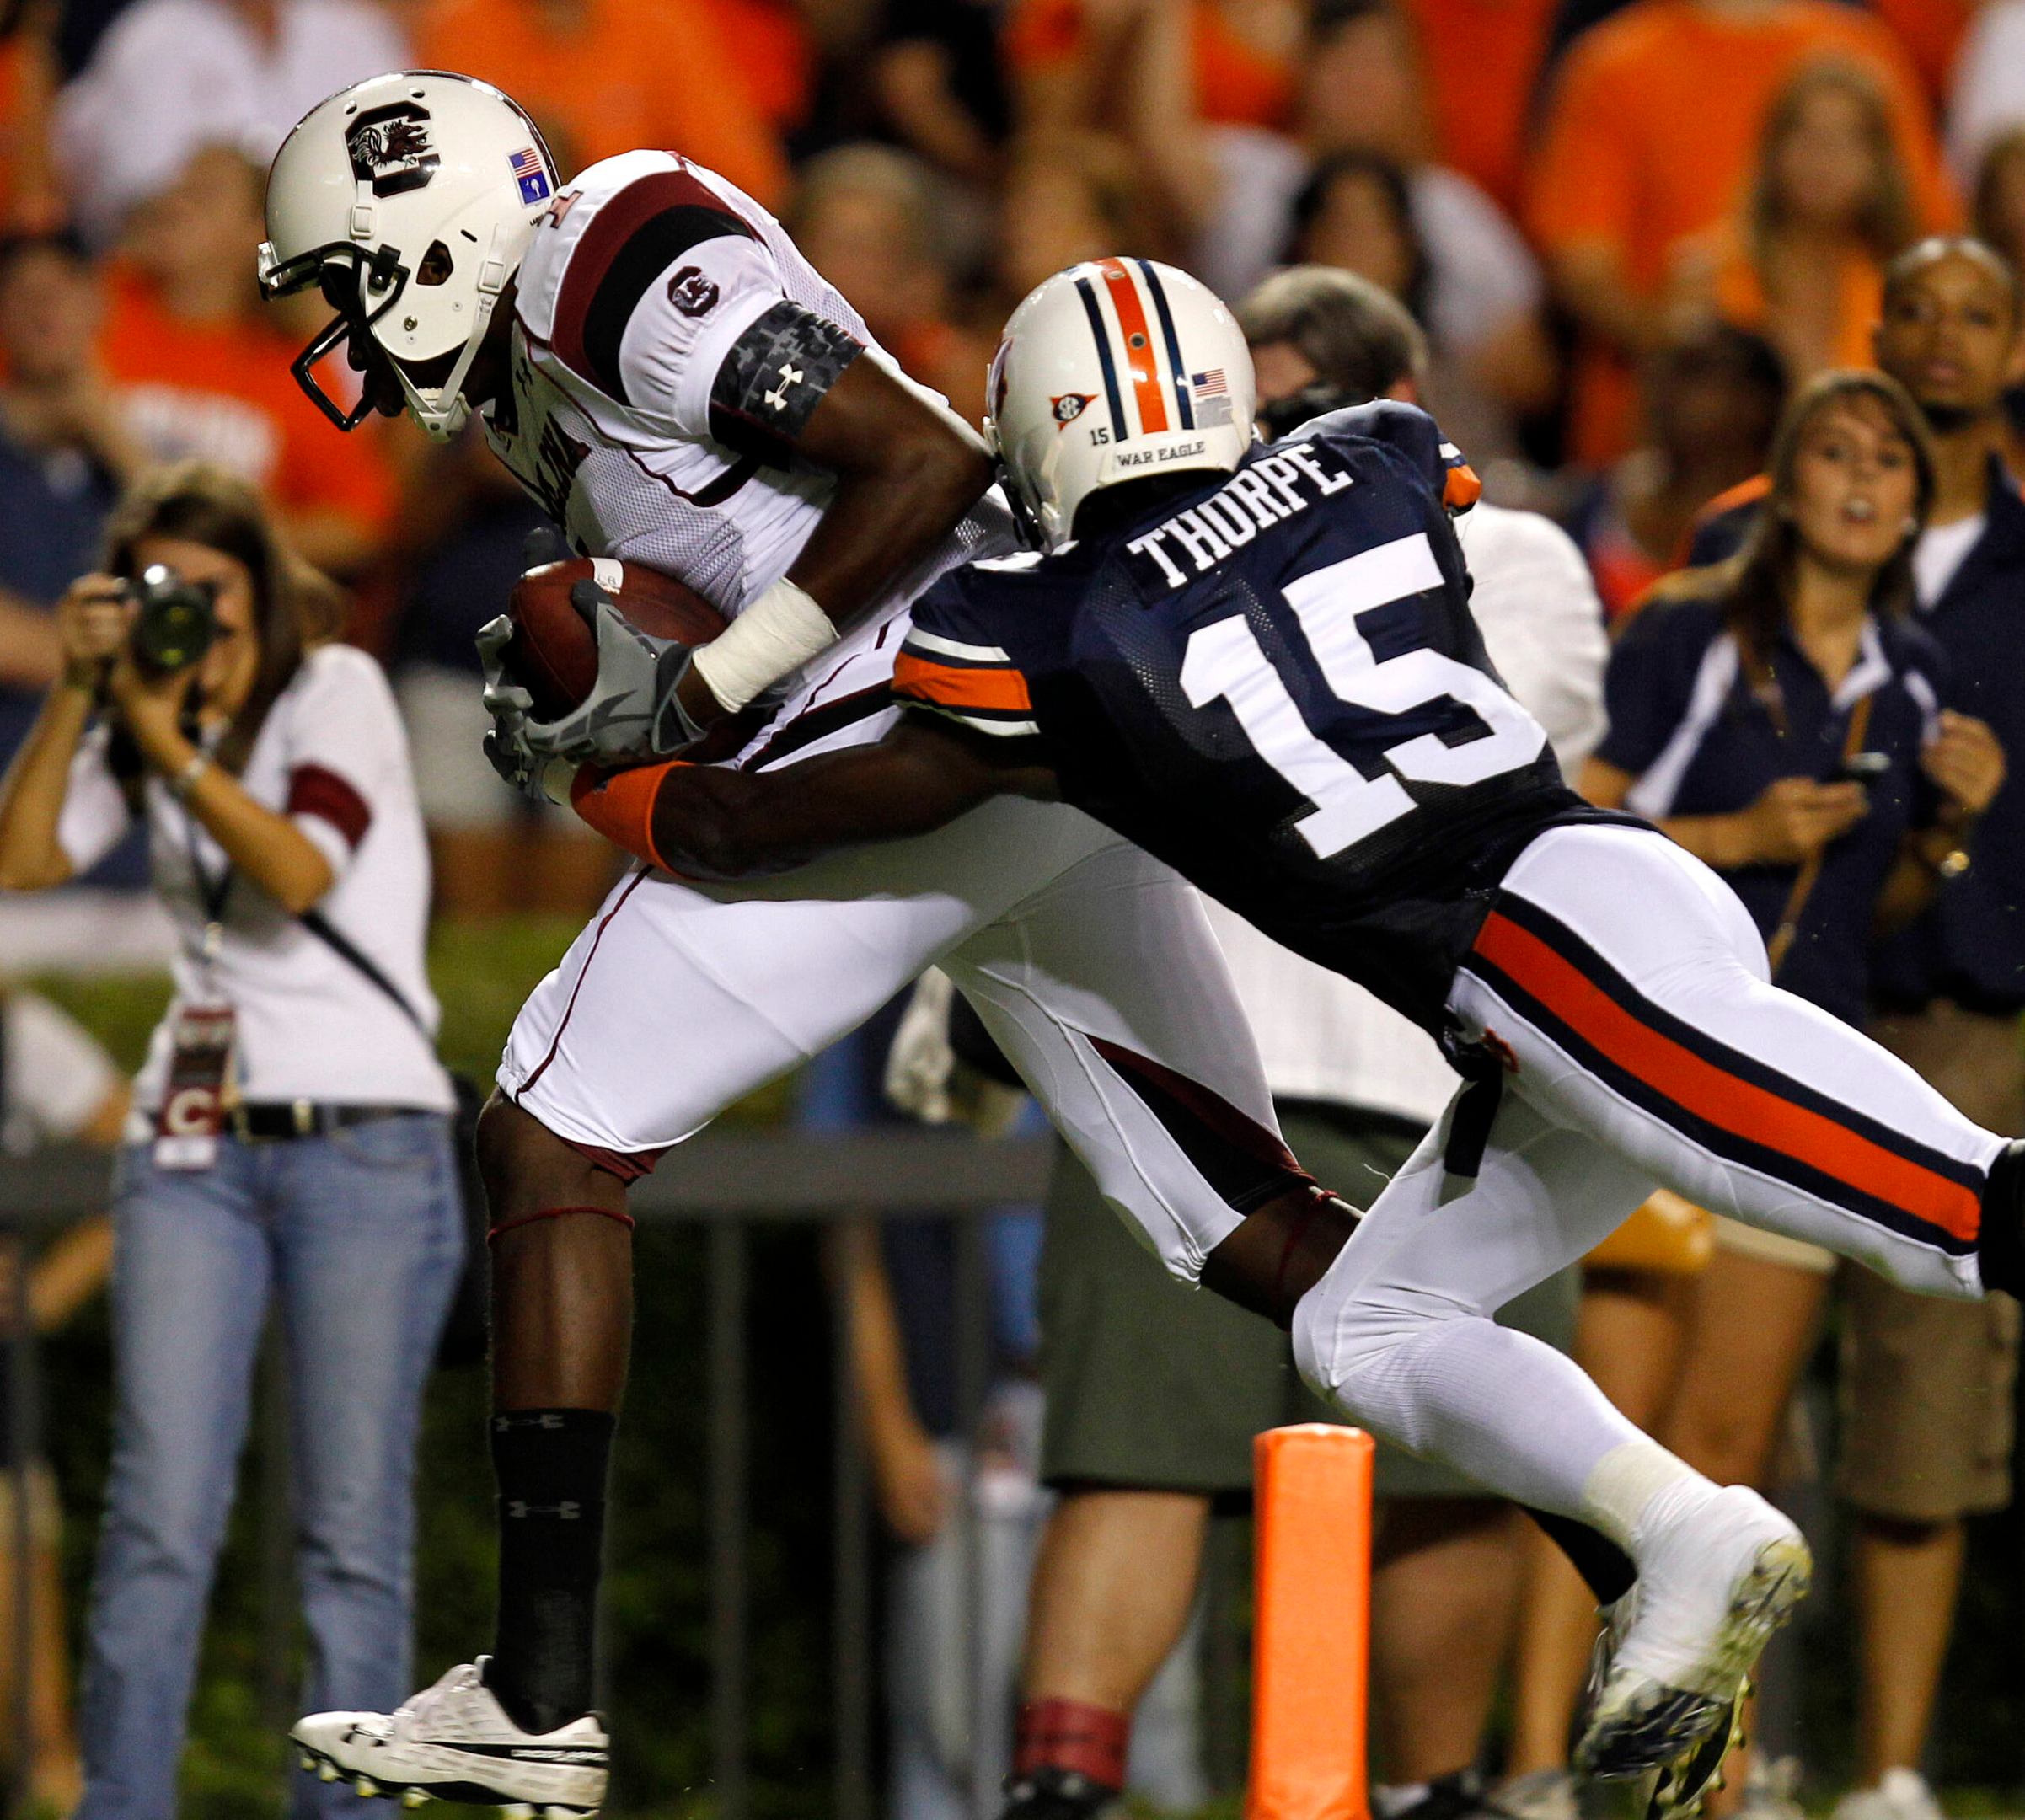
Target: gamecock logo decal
[
  {"x": 391, "y": 149},
  {"x": 691, "y": 292}
]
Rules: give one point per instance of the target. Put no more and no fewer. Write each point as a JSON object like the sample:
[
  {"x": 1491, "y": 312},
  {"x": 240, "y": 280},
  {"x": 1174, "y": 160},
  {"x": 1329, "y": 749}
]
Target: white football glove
[{"x": 631, "y": 715}]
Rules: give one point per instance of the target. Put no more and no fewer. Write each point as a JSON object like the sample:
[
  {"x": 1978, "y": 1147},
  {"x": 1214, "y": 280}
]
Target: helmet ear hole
[{"x": 436, "y": 265}]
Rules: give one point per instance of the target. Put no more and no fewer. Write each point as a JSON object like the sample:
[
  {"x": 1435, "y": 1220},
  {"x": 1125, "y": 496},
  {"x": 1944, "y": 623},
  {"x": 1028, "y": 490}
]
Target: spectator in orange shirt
[
  {"x": 1649, "y": 136},
  {"x": 863, "y": 216},
  {"x": 1932, "y": 31},
  {"x": 31, "y": 200},
  {"x": 1479, "y": 59},
  {"x": 777, "y": 56},
  {"x": 1804, "y": 262},
  {"x": 615, "y": 76},
  {"x": 200, "y": 373},
  {"x": 1152, "y": 73},
  {"x": 1073, "y": 63}
]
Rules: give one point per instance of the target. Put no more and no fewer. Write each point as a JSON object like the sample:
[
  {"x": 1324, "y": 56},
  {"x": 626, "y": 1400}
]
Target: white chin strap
[{"x": 441, "y": 411}]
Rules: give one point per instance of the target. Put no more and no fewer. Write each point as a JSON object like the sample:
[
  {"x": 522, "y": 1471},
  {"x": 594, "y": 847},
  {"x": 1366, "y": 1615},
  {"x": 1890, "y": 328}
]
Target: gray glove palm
[{"x": 631, "y": 715}]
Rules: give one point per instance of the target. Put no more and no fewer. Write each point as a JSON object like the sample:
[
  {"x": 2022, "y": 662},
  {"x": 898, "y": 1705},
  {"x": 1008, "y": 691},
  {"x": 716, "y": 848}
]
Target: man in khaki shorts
[{"x": 1154, "y": 1393}]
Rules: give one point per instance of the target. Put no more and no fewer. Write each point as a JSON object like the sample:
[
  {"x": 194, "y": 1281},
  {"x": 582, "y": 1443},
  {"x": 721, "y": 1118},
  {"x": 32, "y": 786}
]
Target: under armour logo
[{"x": 790, "y": 375}]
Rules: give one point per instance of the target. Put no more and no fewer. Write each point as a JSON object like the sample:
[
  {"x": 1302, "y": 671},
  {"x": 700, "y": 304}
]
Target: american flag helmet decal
[{"x": 534, "y": 179}]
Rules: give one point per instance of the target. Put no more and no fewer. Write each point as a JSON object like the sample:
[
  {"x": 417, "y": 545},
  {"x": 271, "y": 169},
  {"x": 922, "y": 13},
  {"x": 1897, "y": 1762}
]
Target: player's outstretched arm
[{"x": 710, "y": 821}]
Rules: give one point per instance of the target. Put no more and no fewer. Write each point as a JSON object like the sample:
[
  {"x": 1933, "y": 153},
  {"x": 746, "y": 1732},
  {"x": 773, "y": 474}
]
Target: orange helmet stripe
[{"x": 1139, "y": 354}]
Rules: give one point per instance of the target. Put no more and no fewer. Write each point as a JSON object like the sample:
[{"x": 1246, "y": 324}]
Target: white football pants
[
  {"x": 1083, "y": 955},
  {"x": 1646, "y": 1048}
]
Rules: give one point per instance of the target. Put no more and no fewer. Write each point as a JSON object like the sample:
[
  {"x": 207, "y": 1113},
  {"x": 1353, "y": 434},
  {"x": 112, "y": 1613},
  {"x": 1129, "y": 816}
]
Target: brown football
[{"x": 552, "y": 653}]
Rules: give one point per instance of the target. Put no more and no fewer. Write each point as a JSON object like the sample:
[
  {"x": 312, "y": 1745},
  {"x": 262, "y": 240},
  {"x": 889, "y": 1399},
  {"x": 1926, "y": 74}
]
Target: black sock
[
  {"x": 1599, "y": 1560},
  {"x": 550, "y": 1464},
  {"x": 2001, "y": 1235}
]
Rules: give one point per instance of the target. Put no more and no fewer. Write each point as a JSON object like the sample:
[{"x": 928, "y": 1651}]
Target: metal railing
[{"x": 726, "y": 1183}]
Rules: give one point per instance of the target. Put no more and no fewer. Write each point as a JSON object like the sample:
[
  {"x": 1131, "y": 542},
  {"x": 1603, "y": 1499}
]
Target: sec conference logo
[{"x": 1071, "y": 405}]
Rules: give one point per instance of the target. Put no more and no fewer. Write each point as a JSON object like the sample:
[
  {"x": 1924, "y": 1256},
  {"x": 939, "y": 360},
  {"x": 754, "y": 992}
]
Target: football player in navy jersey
[{"x": 1266, "y": 672}]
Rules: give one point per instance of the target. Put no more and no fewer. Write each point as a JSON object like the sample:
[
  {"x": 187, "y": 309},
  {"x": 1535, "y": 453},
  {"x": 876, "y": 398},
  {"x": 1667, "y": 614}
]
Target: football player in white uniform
[{"x": 661, "y": 370}]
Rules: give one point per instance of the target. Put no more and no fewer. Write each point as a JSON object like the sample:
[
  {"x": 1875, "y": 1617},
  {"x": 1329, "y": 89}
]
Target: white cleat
[
  {"x": 454, "y": 1741},
  {"x": 1712, "y": 1586}
]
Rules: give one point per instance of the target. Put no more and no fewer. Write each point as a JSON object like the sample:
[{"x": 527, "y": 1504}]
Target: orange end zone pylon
[{"x": 1311, "y": 1628}]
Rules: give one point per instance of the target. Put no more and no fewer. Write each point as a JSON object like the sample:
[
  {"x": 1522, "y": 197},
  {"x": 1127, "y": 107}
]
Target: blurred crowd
[
  {"x": 1616, "y": 239},
  {"x": 1627, "y": 230}
]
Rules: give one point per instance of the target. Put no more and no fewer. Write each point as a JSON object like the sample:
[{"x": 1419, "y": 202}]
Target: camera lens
[{"x": 177, "y": 622}]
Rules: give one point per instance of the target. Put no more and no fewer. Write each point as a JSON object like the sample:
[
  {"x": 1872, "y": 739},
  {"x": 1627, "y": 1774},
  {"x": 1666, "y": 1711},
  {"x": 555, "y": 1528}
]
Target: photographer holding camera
[{"x": 291, "y": 1132}]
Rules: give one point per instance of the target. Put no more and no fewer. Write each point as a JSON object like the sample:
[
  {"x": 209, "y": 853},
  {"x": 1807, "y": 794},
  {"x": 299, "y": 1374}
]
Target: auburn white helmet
[
  {"x": 410, "y": 199},
  {"x": 1112, "y": 371}
]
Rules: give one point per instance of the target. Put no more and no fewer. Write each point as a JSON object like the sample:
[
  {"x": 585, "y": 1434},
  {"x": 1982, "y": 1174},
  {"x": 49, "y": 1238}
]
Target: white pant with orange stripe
[
  {"x": 1646, "y": 1048},
  {"x": 1091, "y": 963}
]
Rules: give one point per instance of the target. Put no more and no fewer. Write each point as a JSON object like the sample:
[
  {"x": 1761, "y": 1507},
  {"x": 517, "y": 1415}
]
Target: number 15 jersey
[{"x": 1275, "y": 684}]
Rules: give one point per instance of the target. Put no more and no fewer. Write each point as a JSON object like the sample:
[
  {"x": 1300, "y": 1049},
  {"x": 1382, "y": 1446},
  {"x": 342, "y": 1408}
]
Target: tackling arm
[{"x": 713, "y": 822}]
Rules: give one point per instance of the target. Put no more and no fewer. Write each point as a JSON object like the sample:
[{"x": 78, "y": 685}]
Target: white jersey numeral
[{"x": 1225, "y": 661}]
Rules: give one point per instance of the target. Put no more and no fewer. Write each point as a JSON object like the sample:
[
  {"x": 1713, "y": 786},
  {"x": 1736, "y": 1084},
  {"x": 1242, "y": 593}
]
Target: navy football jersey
[{"x": 1274, "y": 684}]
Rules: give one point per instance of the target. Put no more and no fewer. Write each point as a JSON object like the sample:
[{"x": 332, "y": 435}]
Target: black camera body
[{"x": 177, "y": 622}]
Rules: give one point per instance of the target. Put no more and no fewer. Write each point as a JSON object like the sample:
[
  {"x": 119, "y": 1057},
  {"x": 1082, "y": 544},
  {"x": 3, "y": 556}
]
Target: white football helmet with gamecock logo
[
  {"x": 409, "y": 199},
  {"x": 1112, "y": 371}
]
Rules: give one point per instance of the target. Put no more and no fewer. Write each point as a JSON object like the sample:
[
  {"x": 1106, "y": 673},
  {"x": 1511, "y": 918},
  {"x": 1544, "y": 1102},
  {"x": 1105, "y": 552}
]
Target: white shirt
[
  {"x": 1321, "y": 1036},
  {"x": 53, "y": 1077},
  {"x": 644, "y": 479},
  {"x": 1480, "y": 274},
  {"x": 331, "y": 755},
  {"x": 1988, "y": 90},
  {"x": 1941, "y": 551},
  {"x": 170, "y": 76}
]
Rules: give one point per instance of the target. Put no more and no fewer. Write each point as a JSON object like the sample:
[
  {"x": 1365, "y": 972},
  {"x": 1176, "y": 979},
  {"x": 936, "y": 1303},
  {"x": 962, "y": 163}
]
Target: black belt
[{"x": 271, "y": 1119}]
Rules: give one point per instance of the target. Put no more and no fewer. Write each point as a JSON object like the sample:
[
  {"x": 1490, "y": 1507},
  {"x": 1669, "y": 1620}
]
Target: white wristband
[{"x": 774, "y": 637}]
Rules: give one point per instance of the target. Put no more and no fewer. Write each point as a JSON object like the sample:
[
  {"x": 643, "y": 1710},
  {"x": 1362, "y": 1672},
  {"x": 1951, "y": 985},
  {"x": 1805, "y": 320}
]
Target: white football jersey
[{"x": 647, "y": 274}]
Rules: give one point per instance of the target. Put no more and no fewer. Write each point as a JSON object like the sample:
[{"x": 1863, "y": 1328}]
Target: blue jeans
[{"x": 359, "y": 1235}]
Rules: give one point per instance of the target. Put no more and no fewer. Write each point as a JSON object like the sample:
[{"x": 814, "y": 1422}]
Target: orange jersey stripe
[
  {"x": 950, "y": 688},
  {"x": 1720, "y": 1098},
  {"x": 1138, "y": 346}
]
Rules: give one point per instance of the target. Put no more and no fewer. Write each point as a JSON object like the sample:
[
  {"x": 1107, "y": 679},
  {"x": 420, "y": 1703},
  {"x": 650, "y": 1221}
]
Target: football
[{"x": 552, "y": 653}]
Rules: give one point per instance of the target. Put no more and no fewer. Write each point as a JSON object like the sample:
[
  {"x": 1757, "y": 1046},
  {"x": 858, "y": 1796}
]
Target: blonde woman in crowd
[{"x": 1829, "y": 206}]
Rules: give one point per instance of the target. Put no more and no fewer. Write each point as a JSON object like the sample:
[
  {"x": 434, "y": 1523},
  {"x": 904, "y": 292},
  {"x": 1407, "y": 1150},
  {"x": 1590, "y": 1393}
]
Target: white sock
[
  {"x": 1638, "y": 1491},
  {"x": 1521, "y": 1419}
]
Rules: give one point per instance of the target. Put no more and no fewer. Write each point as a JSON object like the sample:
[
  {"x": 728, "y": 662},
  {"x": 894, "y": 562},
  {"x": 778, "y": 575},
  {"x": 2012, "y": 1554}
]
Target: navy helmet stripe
[
  {"x": 1111, "y": 372},
  {"x": 1173, "y": 343}
]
